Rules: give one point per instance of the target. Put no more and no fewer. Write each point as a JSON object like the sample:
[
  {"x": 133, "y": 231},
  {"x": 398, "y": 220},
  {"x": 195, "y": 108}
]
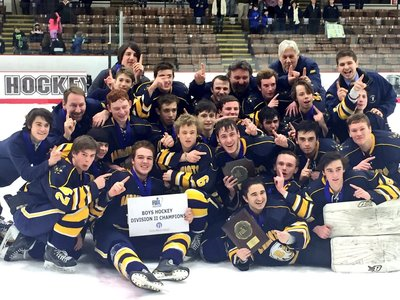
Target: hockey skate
[
  {"x": 145, "y": 280},
  {"x": 194, "y": 248},
  {"x": 19, "y": 249},
  {"x": 57, "y": 259},
  {"x": 167, "y": 270}
]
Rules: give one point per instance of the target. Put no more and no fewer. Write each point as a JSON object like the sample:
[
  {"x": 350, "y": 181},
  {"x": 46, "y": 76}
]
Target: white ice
[{"x": 29, "y": 280}]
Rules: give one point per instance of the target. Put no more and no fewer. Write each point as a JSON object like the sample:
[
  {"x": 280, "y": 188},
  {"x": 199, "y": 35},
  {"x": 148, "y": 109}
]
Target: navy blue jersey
[
  {"x": 116, "y": 212},
  {"x": 275, "y": 216},
  {"x": 385, "y": 148},
  {"x": 144, "y": 105},
  {"x": 63, "y": 187},
  {"x": 121, "y": 140},
  {"x": 200, "y": 175},
  {"x": 380, "y": 188},
  {"x": 18, "y": 157}
]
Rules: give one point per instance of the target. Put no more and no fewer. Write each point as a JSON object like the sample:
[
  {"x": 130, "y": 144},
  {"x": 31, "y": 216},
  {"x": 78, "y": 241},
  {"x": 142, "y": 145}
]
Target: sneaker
[
  {"x": 167, "y": 270},
  {"x": 19, "y": 249},
  {"x": 194, "y": 248},
  {"x": 145, "y": 280},
  {"x": 58, "y": 259}
]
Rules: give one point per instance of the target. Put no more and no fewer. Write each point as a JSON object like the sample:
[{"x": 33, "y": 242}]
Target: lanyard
[{"x": 144, "y": 187}]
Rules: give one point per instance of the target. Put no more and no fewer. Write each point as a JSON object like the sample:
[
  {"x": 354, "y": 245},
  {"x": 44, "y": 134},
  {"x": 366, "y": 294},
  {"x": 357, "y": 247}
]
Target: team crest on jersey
[
  {"x": 375, "y": 268},
  {"x": 58, "y": 169},
  {"x": 372, "y": 99}
]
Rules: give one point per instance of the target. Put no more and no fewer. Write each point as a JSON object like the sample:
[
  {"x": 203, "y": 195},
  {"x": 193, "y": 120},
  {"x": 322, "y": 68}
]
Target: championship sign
[{"x": 157, "y": 214}]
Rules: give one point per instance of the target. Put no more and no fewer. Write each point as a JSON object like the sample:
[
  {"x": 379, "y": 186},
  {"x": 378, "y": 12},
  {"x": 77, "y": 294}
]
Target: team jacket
[
  {"x": 82, "y": 127},
  {"x": 381, "y": 95},
  {"x": 385, "y": 148},
  {"x": 275, "y": 216},
  {"x": 18, "y": 157},
  {"x": 312, "y": 72},
  {"x": 380, "y": 187}
]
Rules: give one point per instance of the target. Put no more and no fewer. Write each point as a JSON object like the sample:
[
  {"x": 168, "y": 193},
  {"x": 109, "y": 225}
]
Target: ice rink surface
[{"x": 29, "y": 280}]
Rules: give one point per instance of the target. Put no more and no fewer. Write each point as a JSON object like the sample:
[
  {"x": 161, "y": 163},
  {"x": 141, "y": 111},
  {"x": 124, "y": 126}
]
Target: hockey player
[
  {"x": 144, "y": 104},
  {"x": 355, "y": 101},
  {"x": 113, "y": 244},
  {"x": 122, "y": 129},
  {"x": 206, "y": 113},
  {"x": 310, "y": 106},
  {"x": 336, "y": 185},
  {"x": 310, "y": 149},
  {"x": 58, "y": 204},
  {"x": 372, "y": 150},
  {"x": 381, "y": 95},
  {"x": 288, "y": 235},
  {"x": 191, "y": 167},
  {"x": 28, "y": 153}
]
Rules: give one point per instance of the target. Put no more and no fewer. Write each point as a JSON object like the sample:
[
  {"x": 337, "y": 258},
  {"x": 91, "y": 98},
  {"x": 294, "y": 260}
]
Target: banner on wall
[{"x": 37, "y": 87}]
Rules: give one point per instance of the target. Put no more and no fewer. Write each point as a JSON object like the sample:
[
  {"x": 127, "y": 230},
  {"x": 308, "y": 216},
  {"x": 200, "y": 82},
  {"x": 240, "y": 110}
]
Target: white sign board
[{"x": 157, "y": 214}]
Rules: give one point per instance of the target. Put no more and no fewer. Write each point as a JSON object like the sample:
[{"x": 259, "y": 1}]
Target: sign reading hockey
[
  {"x": 157, "y": 214},
  {"x": 19, "y": 85}
]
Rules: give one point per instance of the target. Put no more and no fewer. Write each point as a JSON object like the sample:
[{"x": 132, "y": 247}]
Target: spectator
[
  {"x": 313, "y": 14},
  {"x": 294, "y": 15},
  {"x": 77, "y": 42},
  {"x": 46, "y": 42},
  {"x": 65, "y": 10},
  {"x": 331, "y": 12},
  {"x": 20, "y": 42},
  {"x": 280, "y": 16},
  {"x": 265, "y": 21},
  {"x": 243, "y": 8},
  {"x": 36, "y": 34},
  {"x": 219, "y": 11},
  {"x": 199, "y": 10},
  {"x": 87, "y": 5},
  {"x": 254, "y": 19},
  {"x": 54, "y": 25},
  {"x": 25, "y": 6}
]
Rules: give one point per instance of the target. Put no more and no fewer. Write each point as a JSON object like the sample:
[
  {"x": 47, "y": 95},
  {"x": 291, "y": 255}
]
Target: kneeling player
[{"x": 113, "y": 243}]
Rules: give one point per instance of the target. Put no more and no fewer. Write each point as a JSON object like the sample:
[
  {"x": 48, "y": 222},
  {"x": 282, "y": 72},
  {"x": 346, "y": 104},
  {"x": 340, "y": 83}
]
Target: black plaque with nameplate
[{"x": 244, "y": 232}]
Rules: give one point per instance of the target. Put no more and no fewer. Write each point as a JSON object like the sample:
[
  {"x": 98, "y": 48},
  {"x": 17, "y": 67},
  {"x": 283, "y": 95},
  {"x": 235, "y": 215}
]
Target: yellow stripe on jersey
[
  {"x": 199, "y": 213},
  {"x": 68, "y": 231},
  {"x": 138, "y": 109},
  {"x": 193, "y": 194},
  {"x": 164, "y": 159},
  {"x": 43, "y": 213},
  {"x": 391, "y": 190},
  {"x": 232, "y": 253},
  {"x": 302, "y": 228},
  {"x": 101, "y": 253},
  {"x": 77, "y": 216}
]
